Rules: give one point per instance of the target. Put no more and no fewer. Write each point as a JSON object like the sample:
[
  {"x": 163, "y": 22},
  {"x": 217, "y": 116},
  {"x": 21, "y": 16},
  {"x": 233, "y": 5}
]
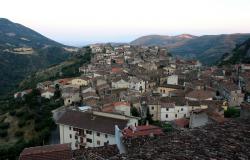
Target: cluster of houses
[{"x": 180, "y": 92}]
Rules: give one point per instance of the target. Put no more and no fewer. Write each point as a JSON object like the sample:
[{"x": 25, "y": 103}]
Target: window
[
  {"x": 106, "y": 136},
  {"x": 166, "y": 115},
  {"x": 88, "y": 132},
  {"x": 89, "y": 140},
  {"x": 167, "y": 109},
  {"x": 185, "y": 115},
  {"x": 69, "y": 128},
  {"x": 70, "y": 136},
  {"x": 76, "y": 145},
  {"x": 181, "y": 109},
  {"x": 98, "y": 134},
  {"x": 152, "y": 108},
  {"x": 175, "y": 115},
  {"x": 98, "y": 143},
  {"x": 76, "y": 137},
  {"x": 164, "y": 91}
]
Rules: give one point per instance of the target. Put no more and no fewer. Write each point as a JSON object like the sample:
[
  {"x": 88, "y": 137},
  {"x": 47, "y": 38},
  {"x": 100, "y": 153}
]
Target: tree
[
  {"x": 232, "y": 112},
  {"x": 57, "y": 93},
  {"x": 149, "y": 117},
  {"x": 135, "y": 112}
]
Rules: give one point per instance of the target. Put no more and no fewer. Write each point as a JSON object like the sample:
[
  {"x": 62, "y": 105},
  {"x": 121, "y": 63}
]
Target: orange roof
[
  {"x": 55, "y": 152},
  {"x": 116, "y": 70},
  {"x": 145, "y": 130},
  {"x": 121, "y": 104},
  {"x": 182, "y": 122},
  {"x": 64, "y": 81}
]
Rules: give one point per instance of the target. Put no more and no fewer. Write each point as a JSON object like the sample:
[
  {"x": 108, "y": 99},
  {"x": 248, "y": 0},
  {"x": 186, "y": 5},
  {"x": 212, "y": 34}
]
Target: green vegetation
[
  {"x": 35, "y": 122},
  {"x": 134, "y": 112},
  {"x": 239, "y": 55},
  {"x": 166, "y": 127},
  {"x": 232, "y": 112},
  {"x": 27, "y": 121},
  {"x": 66, "y": 69},
  {"x": 15, "y": 66}
]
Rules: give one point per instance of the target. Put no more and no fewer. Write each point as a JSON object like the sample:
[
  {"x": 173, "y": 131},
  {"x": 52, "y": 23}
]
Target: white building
[
  {"x": 137, "y": 84},
  {"x": 91, "y": 129},
  {"x": 47, "y": 94},
  {"x": 120, "y": 84},
  {"x": 173, "y": 79},
  {"x": 170, "y": 112}
]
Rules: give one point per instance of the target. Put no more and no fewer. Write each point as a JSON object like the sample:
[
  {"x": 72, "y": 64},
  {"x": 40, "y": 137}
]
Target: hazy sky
[{"x": 79, "y": 22}]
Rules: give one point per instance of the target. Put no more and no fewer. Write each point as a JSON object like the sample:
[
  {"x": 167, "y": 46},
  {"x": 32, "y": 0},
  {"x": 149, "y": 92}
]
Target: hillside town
[{"x": 131, "y": 97}]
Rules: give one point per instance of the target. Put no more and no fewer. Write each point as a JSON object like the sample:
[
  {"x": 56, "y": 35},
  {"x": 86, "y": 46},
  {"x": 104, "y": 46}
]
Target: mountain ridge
[
  {"x": 23, "y": 51},
  {"x": 207, "y": 48}
]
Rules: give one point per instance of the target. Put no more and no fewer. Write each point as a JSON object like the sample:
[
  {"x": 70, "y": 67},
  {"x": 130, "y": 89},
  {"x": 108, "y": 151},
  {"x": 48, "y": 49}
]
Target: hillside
[
  {"x": 241, "y": 54},
  {"x": 161, "y": 40},
  {"x": 208, "y": 49},
  {"x": 23, "y": 51}
]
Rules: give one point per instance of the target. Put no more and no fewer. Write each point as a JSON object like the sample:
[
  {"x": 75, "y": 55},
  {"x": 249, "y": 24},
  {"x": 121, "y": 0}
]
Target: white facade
[
  {"x": 79, "y": 82},
  {"x": 120, "y": 84},
  {"x": 177, "y": 112},
  {"x": 173, "y": 79},
  {"x": 88, "y": 138},
  {"x": 72, "y": 99},
  {"x": 47, "y": 94},
  {"x": 84, "y": 138},
  {"x": 137, "y": 85}
]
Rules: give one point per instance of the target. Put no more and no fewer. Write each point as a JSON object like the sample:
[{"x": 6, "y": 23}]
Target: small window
[
  {"x": 166, "y": 115},
  {"x": 106, "y": 136},
  {"x": 69, "y": 128},
  {"x": 175, "y": 115},
  {"x": 89, "y": 140},
  {"x": 88, "y": 132},
  {"x": 76, "y": 137},
  {"x": 98, "y": 134},
  {"x": 98, "y": 143},
  {"x": 167, "y": 109},
  {"x": 152, "y": 108},
  {"x": 181, "y": 109},
  {"x": 76, "y": 145},
  {"x": 70, "y": 136},
  {"x": 185, "y": 115}
]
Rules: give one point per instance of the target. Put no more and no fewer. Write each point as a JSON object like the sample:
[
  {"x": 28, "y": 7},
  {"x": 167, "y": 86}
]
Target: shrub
[
  {"x": 21, "y": 123},
  {"x": 19, "y": 134},
  {"x": 20, "y": 113},
  {"x": 232, "y": 112},
  {"x": 4, "y": 125},
  {"x": 12, "y": 113},
  {"x": 3, "y": 133}
]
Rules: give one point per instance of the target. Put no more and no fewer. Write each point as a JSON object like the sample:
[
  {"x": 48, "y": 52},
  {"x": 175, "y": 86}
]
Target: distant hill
[
  {"x": 208, "y": 49},
  {"x": 23, "y": 51},
  {"x": 241, "y": 54},
  {"x": 161, "y": 40}
]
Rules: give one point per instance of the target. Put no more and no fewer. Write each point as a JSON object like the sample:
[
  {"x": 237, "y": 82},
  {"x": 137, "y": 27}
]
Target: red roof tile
[
  {"x": 145, "y": 130},
  {"x": 48, "y": 152}
]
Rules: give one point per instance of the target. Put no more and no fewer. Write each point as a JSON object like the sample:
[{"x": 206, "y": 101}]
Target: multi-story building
[{"x": 91, "y": 129}]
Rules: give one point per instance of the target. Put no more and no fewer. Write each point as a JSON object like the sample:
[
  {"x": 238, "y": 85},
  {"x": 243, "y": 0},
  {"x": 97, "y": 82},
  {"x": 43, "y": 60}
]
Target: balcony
[
  {"x": 81, "y": 143},
  {"x": 80, "y": 134}
]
